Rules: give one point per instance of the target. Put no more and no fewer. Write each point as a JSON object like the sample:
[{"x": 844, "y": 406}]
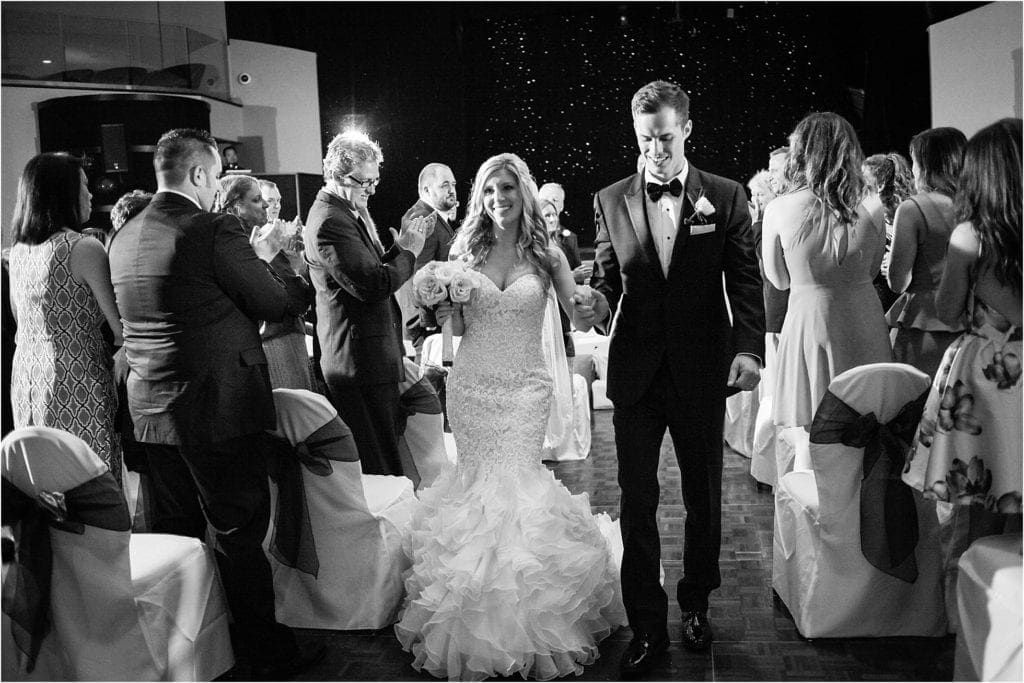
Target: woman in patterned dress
[
  {"x": 61, "y": 295},
  {"x": 968, "y": 452}
]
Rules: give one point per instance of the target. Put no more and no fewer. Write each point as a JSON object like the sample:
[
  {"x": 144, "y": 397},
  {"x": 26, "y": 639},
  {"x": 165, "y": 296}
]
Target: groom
[{"x": 665, "y": 236}]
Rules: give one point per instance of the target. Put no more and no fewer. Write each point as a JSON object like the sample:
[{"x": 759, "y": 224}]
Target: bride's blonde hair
[{"x": 476, "y": 237}]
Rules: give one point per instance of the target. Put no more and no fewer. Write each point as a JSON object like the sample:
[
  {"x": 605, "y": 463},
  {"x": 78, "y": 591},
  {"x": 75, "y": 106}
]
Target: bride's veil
[{"x": 560, "y": 418}]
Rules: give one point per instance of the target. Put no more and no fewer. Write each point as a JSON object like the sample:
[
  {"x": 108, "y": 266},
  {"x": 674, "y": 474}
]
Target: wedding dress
[{"x": 511, "y": 573}]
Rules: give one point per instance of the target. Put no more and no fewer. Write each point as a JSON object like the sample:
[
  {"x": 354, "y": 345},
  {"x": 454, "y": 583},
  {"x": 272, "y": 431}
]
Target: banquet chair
[
  {"x": 856, "y": 553},
  {"x": 988, "y": 592},
  {"x": 122, "y": 606},
  {"x": 740, "y": 421},
  {"x": 421, "y": 444},
  {"x": 595, "y": 345},
  {"x": 344, "y": 570}
]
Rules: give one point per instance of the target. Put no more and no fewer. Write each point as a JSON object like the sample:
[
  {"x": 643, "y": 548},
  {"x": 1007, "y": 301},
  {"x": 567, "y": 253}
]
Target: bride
[{"x": 511, "y": 574}]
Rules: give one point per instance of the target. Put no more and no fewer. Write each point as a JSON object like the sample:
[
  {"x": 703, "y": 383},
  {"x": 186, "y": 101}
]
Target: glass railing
[{"x": 94, "y": 51}]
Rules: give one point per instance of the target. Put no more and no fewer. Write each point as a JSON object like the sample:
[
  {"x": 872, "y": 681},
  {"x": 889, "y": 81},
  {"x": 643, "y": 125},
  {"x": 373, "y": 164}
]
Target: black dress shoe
[
  {"x": 696, "y": 631},
  {"x": 279, "y": 671},
  {"x": 641, "y": 653}
]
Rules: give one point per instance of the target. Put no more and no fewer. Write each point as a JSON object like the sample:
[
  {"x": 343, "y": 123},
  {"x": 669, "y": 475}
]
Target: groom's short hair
[{"x": 657, "y": 94}]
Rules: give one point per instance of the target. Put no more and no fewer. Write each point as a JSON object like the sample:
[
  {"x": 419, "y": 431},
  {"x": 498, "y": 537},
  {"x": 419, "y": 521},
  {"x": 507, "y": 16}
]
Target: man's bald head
[{"x": 437, "y": 186}]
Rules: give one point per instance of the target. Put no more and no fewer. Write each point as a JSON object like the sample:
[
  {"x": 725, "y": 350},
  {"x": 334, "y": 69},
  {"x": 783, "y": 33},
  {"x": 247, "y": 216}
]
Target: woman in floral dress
[{"x": 968, "y": 451}]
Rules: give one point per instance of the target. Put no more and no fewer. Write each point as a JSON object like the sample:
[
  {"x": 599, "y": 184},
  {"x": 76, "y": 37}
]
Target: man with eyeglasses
[
  {"x": 358, "y": 319},
  {"x": 437, "y": 197}
]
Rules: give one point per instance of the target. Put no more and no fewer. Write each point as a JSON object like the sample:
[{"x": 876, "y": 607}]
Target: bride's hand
[{"x": 447, "y": 310}]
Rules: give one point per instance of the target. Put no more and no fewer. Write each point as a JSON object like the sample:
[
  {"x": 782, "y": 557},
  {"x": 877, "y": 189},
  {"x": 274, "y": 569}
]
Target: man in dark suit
[
  {"x": 358, "y": 321},
  {"x": 665, "y": 237},
  {"x": 437, "y": 198},
  {"x": 191, "y": 288}
]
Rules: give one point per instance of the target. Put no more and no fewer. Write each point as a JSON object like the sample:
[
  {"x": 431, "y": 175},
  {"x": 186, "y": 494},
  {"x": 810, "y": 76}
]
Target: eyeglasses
[{"x": 367, "y": 183}]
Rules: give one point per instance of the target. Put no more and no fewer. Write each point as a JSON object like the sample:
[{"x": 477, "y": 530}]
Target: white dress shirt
[{"x": 663, "y": 216}]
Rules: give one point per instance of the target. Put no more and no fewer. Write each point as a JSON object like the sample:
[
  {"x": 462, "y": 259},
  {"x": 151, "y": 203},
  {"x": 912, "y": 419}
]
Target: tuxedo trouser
[
  {"x": 371, "y": 412},
  {"x": 695, "y": 423},
  {"x": 225, "y": 484}
]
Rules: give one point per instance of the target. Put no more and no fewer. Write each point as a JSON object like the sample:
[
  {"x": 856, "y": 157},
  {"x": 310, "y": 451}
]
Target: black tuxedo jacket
[
  {"x": 358, "y": 320},
  {"x": 683, "y": 317},
  {"x": 191, "y": 290},
  {"x": 438, "y": 244}
]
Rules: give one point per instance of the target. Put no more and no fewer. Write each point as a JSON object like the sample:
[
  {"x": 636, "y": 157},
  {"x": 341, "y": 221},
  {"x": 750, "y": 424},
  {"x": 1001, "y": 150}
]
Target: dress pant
[
  {"x": 225, "y": 485},
  {"x": 371, "y": 412},
  {"x": 695, "y": 423}
]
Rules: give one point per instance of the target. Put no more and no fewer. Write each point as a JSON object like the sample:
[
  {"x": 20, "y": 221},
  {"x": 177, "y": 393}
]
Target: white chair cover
[
  {"x": 421, "y": 446},
  {"x": 430, "y": 354},
  {"x": 595, "y": 345},
  {"x": 142, "y": 607},
  {"x": 763, "y": 463},
  {"x": 357, "y": 522},
  {"x": 819, "y": 569},
  {"x": 988, "y": 592},
  {"x": 741, "y": 421}
]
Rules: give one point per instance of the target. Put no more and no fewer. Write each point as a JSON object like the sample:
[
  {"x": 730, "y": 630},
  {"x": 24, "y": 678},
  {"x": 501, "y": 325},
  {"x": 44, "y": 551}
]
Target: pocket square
[{"x": 701, "y": 229}]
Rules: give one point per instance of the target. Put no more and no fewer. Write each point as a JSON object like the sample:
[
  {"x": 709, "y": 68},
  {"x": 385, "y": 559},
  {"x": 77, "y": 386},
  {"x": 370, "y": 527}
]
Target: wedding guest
[
  {"x": 60, "y": 298},
  {"x": 887, "y": 177},
  {"x": 358, "y": 318},
  {"x": 922, "y": 226},
  {"x": 552, "y": 200},
  {"x": 128, "y": 207},
  {"x": 824, "y": 244},
  {"x": 284, "y": 341},
  {"x": 673, "y": 356},
  {"x": 760, "y": 194},
  {"x": 778, "y": 160},
  {"x": 436, "y": 184},
  {"x": 190, "y": 286},
  {"x": 968, "y": 451}
]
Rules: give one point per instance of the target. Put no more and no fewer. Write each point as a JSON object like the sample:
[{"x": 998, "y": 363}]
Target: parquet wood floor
[{"x": 755, "y": 639}]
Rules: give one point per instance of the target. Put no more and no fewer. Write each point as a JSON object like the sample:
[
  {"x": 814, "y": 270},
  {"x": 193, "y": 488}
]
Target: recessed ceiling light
[{"x": 47, "y": 61}]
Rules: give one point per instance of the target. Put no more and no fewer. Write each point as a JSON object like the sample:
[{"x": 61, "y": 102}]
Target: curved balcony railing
[{"x": 79, "y": 51}]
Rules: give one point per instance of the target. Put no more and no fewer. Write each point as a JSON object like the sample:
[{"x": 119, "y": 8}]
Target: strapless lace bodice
[{"x": 499, "y": 388}]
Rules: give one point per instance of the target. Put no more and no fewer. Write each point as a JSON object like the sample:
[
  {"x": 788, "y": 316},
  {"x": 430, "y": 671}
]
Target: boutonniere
[{"x": 702, "y": 208}]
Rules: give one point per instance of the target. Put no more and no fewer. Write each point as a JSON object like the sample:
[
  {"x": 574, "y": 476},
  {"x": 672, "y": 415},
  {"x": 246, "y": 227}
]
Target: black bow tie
[{"x": 654, "y": 190}]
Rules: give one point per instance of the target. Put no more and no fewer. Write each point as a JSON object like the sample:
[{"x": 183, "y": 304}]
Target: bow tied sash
[
  {"x": 888, "y": 514},
  {"x": 97, "y": 503},
  {"x": 292, "y": 543}
]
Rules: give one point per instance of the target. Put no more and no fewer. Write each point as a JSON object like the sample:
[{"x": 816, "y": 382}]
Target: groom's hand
[{"x": 745, "y": 372}]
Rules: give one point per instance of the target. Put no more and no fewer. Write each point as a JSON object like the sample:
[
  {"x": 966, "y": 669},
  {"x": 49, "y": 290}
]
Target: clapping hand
[
  {"x": 583, "y": 272},
  {"x": 412, "y": 236},
  {"x": 267, "y": 240}
]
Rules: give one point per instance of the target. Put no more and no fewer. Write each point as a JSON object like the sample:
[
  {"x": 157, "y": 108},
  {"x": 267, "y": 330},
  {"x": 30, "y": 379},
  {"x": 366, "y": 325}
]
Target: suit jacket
[
  {"x": 776, "y": 301},
  {"x": 191, "y": 290},
  {"x": 570, "y": 246},
  {"x": 358, "y": 320},
  {"x": 437, "y": 246},
  {"x": 682, "y": 317}
]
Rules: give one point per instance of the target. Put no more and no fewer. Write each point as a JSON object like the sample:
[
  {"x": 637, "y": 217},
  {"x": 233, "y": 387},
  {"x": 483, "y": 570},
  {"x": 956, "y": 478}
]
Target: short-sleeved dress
[
  {"x": 62, "y": 369},
  {"x": 834, "y": 321}
]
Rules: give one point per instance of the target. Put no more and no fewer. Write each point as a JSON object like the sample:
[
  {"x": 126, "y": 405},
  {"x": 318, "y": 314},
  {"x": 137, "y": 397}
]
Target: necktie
[{"x": 654, "y": 190}]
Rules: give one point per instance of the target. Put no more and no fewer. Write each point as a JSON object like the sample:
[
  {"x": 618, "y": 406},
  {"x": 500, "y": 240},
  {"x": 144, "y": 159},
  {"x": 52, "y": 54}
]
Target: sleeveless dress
[
  {"x": 511, "y": 573},
  {"x": 923, "y": 338},
  {"x": 835, "y": 320},
  {"x": 969, "y": 445},
  {"x": 62, "y": 369}
]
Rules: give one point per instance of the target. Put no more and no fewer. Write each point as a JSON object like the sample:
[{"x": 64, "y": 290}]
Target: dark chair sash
[
  {"x": 97, "y": 503},
  {"x": 292, "y": 543},
  {"x": 888, "y": 514}
]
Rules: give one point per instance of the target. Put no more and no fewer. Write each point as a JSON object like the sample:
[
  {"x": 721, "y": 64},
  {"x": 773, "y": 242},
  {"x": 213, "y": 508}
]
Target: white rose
[
  {"x": 445, "y": 272},
  {"x": 703, "y": 206}
]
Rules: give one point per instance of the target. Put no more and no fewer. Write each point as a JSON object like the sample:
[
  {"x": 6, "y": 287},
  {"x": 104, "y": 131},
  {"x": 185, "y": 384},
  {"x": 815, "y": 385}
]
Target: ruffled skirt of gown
[{"x": 511, "y": 574}]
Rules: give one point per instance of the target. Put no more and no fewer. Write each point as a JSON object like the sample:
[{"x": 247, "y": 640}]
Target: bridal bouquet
[{"x": 441, "y": 281}]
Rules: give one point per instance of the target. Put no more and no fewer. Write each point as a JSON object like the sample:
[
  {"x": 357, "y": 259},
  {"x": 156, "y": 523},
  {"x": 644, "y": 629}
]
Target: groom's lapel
[
  {"x": 694, "y": 188},
  {"x": 636, "y": 207}
]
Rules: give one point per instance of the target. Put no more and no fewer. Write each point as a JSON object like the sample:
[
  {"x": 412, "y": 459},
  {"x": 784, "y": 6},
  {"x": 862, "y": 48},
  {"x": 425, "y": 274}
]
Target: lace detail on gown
[{"x": 511, "y": 573}]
